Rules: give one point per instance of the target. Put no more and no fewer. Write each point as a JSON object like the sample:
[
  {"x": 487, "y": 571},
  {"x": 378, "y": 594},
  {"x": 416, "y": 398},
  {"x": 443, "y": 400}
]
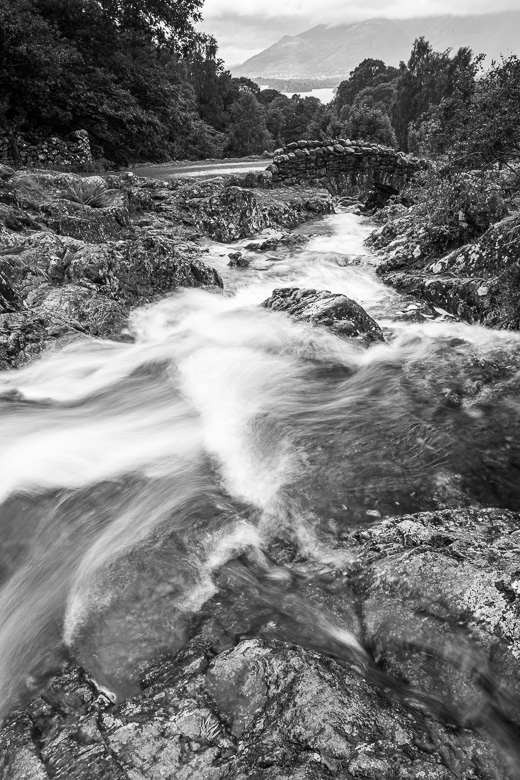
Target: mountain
[{"x": 333, "y": 51}]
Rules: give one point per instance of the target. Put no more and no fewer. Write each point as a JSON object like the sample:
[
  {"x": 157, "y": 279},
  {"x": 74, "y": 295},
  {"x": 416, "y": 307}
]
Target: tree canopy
[
  {"x": 478, "y": 123},
  {"x": 148, "y": 85},
  {"x": 138, "y": 76}
]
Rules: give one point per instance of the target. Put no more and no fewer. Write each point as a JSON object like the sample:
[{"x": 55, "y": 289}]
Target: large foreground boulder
[
  {"x": 432, "y": 596},
  {"x": 259, "y": 711},
  {"x": 341, "y": 315}
]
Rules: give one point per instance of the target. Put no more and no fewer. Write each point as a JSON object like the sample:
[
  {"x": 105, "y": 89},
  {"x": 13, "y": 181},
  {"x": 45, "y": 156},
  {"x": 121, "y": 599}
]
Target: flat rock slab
[{"x": 341, "y": 315}]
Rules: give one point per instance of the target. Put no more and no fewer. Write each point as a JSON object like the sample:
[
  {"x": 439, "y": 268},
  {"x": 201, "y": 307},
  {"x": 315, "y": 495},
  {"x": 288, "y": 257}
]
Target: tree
[
  {"x": 248, "y": 132},
  {"x": 369, "y": 73},
  {"x": 494, "y": 112},
  {"x": 274, "y": 120},
  {"x": 380, "y": 96},
  {"x": 163, "y": 21},
  {"x": 266, "y": 96},
  {"x": 422, "y": 82},
  {"x": 478, "y": 124},
  {"x": 138, "y": 76},
  {"x": 369, "y": 124},
  {"x": 247, "y": 85},
  {"x": 299, "y": 113},
  {"x": 121, "y": 70},
  {"x": 33, "y": 57},
  {"x": 214, "y": 87}
]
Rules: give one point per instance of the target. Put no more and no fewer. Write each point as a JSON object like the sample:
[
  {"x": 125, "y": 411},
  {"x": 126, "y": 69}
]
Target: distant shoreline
[{"x": 297, "y": 85}]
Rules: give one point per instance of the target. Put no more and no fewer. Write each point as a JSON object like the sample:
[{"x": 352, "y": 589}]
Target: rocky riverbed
[
  {"x": 77, "y": 254},
  {"x": 433, "y": 597},
  {"x": 350, "y": 551}
]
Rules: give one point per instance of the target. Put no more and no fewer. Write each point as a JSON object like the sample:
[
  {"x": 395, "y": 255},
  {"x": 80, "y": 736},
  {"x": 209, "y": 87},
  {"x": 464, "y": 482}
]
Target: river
[{"x": 132, "y": 472}]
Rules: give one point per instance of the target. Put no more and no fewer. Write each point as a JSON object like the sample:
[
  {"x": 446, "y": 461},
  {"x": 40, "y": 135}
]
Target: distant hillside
[{"x": 326, "y": 51}]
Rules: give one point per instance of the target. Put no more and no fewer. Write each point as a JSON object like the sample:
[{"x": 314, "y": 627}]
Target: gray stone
[
  {"x": 341, "y": 160},
  {"x": 341, "y": 315}
]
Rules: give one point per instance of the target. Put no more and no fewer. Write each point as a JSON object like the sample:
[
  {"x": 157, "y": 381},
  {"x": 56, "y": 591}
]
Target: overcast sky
[{"x": 245, "y": 27}]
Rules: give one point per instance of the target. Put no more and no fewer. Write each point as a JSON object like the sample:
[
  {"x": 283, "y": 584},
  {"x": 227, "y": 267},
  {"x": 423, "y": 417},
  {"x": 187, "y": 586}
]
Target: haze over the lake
[{"x": 244, "y": 29}]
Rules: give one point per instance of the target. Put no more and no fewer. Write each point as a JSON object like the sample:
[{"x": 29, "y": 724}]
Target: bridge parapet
[{"x": 343, "y": 166}]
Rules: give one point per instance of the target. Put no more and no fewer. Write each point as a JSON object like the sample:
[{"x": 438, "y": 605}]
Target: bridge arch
[{"x": 343, "y": 166}]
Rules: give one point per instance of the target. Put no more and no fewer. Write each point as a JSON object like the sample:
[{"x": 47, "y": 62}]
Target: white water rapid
[{"x": 132, "y": 472}]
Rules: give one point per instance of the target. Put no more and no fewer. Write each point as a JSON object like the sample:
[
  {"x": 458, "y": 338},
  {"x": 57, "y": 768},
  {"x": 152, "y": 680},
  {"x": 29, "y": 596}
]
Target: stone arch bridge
[{"x": 343, "y": 166}]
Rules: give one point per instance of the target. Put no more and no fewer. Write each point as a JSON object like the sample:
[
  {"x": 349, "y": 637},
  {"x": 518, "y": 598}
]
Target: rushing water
[{"x": 132, "y": 473}]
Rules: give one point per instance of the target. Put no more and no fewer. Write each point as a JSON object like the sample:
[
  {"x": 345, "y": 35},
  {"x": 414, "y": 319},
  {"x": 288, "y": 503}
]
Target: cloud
[
  {"x": 241, "y": 37},
  {"x": 334, "y": 11},
  {"x": 243, "y": 29}
]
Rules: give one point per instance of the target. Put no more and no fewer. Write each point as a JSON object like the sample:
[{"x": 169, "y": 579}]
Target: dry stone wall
[
  {"x": 73, "y": 152},
  {"x": 342, "y": 166}
]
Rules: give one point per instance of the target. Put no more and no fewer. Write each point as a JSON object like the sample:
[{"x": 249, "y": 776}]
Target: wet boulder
[
  {"x": 57, "y": 316},
  {"x": 488, "y": 257},
  {"x": 493, "y": 260},
  {"x": 56, "y": 288},
  {"x": 340, "y": 314},
  {"x": 70, "y": 205},
  {"x": 227, "y": 213},
  {"x": 6, "y": 172},
  {"x": 22, "y": 337},
  {"x": 259, "y": 710},
  {"x": 472, "y": 299},
  {"x": 75, "y": 308},
  {"x": 136, "y": 271},
  {"x": 440, "y": 611},
  {"x": 478, "y": 281},
  {"x": 35, "y": 259},
  {"x": 237, "y": 260},
  {"x": 435, "y": 597},
  {"x": 282, "y": 240}
]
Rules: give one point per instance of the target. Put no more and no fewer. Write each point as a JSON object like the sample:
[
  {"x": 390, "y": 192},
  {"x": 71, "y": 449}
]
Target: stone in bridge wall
[
  {"x": 342, "y": 166},
  {"x": 73, "y": 152}
]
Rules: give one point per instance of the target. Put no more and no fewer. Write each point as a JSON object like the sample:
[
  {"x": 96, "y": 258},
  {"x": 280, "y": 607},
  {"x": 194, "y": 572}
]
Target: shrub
[
  {"x": 455, "y": 207},
  {"x": 91, "y": 192},
  {"x": 369, "y": 124},
  {"x": 478, "y": 125}
]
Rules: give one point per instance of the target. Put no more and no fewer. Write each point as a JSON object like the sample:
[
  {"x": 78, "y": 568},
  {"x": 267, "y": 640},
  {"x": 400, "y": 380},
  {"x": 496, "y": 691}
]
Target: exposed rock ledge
[
  {"x": 434, "y": 595},
  {"x": 76, "y": 254},
  {"x": 478, "y": 282}
]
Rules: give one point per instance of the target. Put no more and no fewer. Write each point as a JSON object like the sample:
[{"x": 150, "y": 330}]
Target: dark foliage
[
  {"x": 135, "y": 74},
  {"x": 478, "y": 124},
  {"x": 138, "y": 77},
  {"x": 370, "y": 74},
  {"x": 369, "y": 124},
  {"x": 147, "y": 86}
]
